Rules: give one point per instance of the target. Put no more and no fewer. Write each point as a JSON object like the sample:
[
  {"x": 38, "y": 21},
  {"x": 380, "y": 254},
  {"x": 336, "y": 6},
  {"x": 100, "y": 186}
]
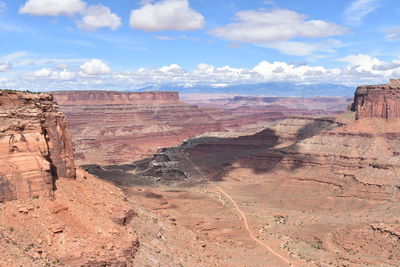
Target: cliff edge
[
  {"x": 35, "y": 145},
  {"x": 378, "y": 101}
]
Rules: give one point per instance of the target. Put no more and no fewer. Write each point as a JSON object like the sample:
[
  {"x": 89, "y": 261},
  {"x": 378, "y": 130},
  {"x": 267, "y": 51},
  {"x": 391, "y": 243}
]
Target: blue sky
[{"x": 128, "y": 44}]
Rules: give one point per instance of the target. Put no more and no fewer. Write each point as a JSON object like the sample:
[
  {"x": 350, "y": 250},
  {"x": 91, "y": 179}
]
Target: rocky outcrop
[
  {"x": 378, "y": 101},
  {"x": 35, "y": 145}
]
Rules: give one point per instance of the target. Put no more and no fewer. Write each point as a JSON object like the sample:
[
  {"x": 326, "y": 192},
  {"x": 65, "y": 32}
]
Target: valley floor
[
  {"x": 220, "y": 212},
  {"x": 302, "y": 226}
]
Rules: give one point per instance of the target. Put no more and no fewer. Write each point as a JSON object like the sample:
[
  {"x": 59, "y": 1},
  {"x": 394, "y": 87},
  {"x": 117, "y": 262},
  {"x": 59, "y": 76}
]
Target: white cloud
[
  {"x": 26, "y": 59},
  {"x": 362, "y": 62},
  {"x": 95, "y": 67},
  {"x": 266, "y": 27},
  {"x": 359, "y": 9},
  {"x": 357, "y": 69},
  {"x": 52, "y": 7},
  {"x": 166, "y": 15},
  {"x": 281, "y": 71},
  {"x": 173, "y": 68},
  {"x": 95, "y": 17},
  {"x": 3, "y": 7},
  {"x": 47, "y": 73},
  {"x": 91, "y": 17},
  {"x": 219, "y": 85},
  {"x": 4, "y": 66}
]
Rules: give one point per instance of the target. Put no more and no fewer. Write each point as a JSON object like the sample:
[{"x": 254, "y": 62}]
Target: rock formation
[
  {"x": 325, "y": 191},
  {"x": 286, "y": 105},
  {"x": 360, "y": 157},
  {"x": 378, "y": 101},
  {"x": 35, "y": 145},
  {"x": 119, "y": 127}
]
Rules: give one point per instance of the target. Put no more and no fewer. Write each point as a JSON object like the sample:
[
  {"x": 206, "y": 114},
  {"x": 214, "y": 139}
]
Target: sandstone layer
[
  {"x": 119, "y": 127},
  {"x": 378, "y": 101},
  {"x": 292, "y": 105},
  {"x": 35, "y": 145},
  {"x": 86, "y": 222}
]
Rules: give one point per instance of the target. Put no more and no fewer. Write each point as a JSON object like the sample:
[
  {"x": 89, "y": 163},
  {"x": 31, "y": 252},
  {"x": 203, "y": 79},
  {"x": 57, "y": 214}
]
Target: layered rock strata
[
  {"x": 35, "y": 145},
  {"x": 288, "y": 105},
  {"x": 120, "y": 127},
  {"x": 353, "y": 154},
  {"x": 378, "y": 101}
]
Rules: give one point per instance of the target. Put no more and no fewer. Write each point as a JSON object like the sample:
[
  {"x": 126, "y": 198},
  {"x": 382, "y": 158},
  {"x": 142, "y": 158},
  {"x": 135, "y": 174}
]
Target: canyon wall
[
  {"x": 378, "y": 101},
  {"x": 288, "y": 105},
  {"x": 356, "y": 154},
  {"x": 122, "y": 127},
  {"x": 119, "y": 127},
  {"x": 35, "y": 145}
]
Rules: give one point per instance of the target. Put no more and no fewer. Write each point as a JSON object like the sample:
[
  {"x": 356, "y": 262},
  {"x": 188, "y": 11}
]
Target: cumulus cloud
[
  {"x": 263, "y": 27},
  {"x": 95, "y": 17},
  {"x": 91, "y": 17},
  {"x": 166, "y": 15},
  {"x": 356, "y": 69},
  {"x": 174, "y": 68},
  {"x": 52, "y": 7},
  {"x": 4, "y": 66},
  {"x": 359, "y": 9},
  {"x": 362, "y": 62},
  {"x": 48, "y": 73},
  {"x": 95, "y": 67}
]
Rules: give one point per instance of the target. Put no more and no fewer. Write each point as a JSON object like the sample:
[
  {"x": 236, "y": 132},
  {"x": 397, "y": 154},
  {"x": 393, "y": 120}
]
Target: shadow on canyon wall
[
  {"x": 257, "y": 152},
  {"x": 215, "y": 156}
]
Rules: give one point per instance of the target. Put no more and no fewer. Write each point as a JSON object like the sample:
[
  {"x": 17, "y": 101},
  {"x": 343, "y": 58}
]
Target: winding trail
[{"x": 242, "y": 214}]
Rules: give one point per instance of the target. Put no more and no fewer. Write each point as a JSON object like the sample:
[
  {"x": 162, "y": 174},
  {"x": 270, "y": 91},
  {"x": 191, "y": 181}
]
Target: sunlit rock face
[
  {"x": 35, "y": 145},
  {"x": 378, "y": 101},
  {"x": 121, "y": 127}
]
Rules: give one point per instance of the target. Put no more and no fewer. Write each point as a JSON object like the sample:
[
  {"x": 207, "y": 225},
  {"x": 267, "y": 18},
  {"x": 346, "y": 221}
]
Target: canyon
[
  {"x": 305, "y": 189},
  {"x": 246, "y": 180},
  {"x": 122, "y": 127}
]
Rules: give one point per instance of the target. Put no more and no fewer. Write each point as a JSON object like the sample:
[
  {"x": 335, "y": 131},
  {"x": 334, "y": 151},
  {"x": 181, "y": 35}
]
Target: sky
[{"x": 129, "y": 44}]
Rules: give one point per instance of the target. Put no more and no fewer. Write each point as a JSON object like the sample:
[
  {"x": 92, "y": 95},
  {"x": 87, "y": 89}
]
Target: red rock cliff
[
  {"x": 121, "y": 127},
  {"x": 35, "y": 145},
  {"x": 114, "y": 98},
  {"x": 378, "y": 101}
]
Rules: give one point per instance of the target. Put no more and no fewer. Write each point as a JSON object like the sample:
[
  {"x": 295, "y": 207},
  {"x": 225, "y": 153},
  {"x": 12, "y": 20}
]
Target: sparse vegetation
[
  {"x": 316, "y": 245},
  {"x": 280, "y": 219}
]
